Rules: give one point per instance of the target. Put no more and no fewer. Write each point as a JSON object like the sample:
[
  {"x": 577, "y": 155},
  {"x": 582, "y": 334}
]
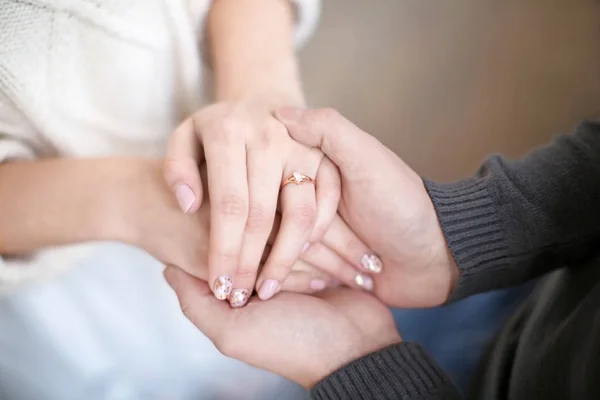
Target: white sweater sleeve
[
  {"x": 307, "y": 18},
  {"x": 16, "y": 135},
  {"x": 19, "y": 141}
]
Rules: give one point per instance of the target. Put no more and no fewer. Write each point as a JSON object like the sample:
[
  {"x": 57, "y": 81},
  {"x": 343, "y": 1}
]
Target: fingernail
[
  {"x": 364, "y": 282},
  {"x": 222, "y": 287},
  {"x": 318, "y": 284},
  {"x": 185, "y": 197},
  {"x": 238, "y": 298},
  {"x": 268, "y": 289},
  {"x": 371, "y": 263},
  {"x": 289, "y": 113},
  {"x": 305, "y": 247}
]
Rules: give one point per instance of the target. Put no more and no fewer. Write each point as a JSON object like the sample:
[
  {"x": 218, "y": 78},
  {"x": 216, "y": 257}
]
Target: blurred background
[{"x": 444, "y": 83}]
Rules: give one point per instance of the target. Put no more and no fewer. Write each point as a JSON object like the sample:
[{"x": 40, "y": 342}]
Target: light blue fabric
[
  {"x": 112, "y": 330},
  {"x": 456, "y": 335}
]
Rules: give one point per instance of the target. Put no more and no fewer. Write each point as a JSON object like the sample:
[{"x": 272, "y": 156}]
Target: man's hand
[
  {"x": 386, "y": 204},
  {"x": 303, "y": 338}
]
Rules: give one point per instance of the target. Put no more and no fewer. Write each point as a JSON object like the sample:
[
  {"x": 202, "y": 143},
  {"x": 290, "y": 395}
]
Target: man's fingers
[
  {"x": 342, "y": 141},
  {"x": 197, "y": 302},
  {"x": 184, "y": 154},
  {"x": 328, "y": 192}
]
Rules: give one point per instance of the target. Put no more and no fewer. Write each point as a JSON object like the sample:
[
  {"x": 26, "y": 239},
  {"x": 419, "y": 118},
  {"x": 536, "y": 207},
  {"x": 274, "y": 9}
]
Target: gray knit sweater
[{"x": 513, "y": 221}]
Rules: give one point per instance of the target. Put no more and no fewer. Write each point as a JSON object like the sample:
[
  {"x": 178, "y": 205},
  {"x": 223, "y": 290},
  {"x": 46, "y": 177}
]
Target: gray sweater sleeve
[
  {"x": 517, "y": 220},
  {"x": 511, "y": 222}
]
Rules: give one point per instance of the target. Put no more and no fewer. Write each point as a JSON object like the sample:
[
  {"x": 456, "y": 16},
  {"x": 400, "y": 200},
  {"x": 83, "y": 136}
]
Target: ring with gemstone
[{"x": 298, "y": 179}]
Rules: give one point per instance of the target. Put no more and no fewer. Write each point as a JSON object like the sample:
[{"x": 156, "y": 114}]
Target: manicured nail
[
  {"x": 364, "y": 282},
  {"x": 289, "y": 113},
  {"x": 268, "y": 289},
  {"x": 185, "y": 197},
  {"x": 238, "y": 298},
  {"x": 318, "y": 284},
  {"x": 222, "y": 287},
  {"x": 371, "y": 263},
  {"x": 305, "y": 247}
]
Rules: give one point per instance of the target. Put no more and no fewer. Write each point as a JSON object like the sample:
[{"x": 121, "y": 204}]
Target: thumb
[
  {"x": 350, "y": 148},
  {"x": 198, "y": 303},
  {"x": 184, "y": 154}
]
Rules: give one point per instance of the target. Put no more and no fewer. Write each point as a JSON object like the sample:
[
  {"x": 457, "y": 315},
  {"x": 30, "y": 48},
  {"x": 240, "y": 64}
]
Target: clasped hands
[{"x": 367, "y": 223}]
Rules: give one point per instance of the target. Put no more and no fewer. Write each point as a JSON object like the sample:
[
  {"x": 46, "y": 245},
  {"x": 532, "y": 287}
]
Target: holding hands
[
  {"x": 251, "y": 162},
  {"x": 385, "y": 203}
]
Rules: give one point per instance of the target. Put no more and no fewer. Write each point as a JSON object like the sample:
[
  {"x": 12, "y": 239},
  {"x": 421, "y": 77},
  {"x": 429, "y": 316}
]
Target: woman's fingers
[
  {"x": 184, "y": 154},
  {"x": 305, "y": 279},
  {"x": 327, "y": 261},
  {"x": 328, "y": 192},
  {"x": 263, "y": 186},
  {"x": 299, "y": 213},
  {"x": 341, "y": 239},
  {"x": 225, "y": 152}
]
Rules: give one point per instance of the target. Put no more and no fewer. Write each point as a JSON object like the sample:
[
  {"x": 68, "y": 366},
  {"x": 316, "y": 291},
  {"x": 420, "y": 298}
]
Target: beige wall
[{"x": 444, "y": 83}]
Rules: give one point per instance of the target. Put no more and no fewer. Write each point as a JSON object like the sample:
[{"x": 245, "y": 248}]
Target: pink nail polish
[
  {"x": 371, "y": 263},
  {"x": 185, "y": 197},
  {"x": 305, "y": 247},
  {"x": 238, "y": 298},
  {"x": 222, "y": 287},
  {"x": 364, "y": 282},
  {"x": 268, "y": 289},
  {"x": 318, "y": 284}
]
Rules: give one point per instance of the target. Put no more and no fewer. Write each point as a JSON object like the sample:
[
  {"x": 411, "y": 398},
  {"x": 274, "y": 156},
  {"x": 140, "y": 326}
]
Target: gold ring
[{"x": 298, "y": 179}]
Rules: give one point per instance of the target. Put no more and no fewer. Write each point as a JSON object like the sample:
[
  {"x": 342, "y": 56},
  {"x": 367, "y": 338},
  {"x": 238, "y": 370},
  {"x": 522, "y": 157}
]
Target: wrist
[
  {"x": 124, "y": 207},
  {"x": 269, "y": 95}
]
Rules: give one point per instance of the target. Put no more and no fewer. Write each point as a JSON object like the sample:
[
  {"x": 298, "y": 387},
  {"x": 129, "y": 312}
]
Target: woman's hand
[
  {"x": 303, "y": 338},
  {"x": 249, "y": 155},
  {"x": 148, "y": 217}
]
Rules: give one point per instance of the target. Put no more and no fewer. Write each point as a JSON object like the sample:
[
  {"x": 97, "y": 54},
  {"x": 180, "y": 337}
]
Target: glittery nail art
[
  {"x": 364, "y": 282},
  {"x": 222, "y": 287},
  {"x": 371, "y": 263},
  {"x": 238, "y": 298}
]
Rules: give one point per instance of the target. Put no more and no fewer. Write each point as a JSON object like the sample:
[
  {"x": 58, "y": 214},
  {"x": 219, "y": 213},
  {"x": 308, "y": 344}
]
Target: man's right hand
[{"x": 386, "y": 204}]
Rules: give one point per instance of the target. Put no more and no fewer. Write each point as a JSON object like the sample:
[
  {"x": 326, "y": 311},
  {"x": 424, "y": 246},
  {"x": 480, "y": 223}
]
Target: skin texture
[{"x": 305, "y": 338}]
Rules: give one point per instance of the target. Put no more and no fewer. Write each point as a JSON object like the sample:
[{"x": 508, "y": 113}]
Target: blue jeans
[{"x": 456, "y": 334}]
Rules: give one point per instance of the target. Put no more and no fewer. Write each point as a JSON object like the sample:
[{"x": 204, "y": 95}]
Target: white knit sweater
[{"x": 85, "y": 78}]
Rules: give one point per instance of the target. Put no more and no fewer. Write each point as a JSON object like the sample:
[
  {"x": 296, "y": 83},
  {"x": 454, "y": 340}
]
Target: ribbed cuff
[
  {"x": 468, "y": 214},
  {"x": 400, "y": 371}
]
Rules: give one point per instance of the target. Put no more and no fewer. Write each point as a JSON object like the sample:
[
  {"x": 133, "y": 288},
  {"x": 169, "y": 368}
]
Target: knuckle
[
  {"x": 228, "y": 129},
  {"x": 226, "y": 256},
  {"x": 280, "y": 269},
  {"x": 232, "y": 205},
  {"x": 355, "y": 244},
  {"x": 172, "y": 168},
  {"x": 304, "y": 216},
  {"x": 272, "y": 134},
  {"x": 274, "y": 127},
  {"x": 257, "y": 218},
  {"x": 246, "y": 274},
  {"x": 328, "y": 114}
]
